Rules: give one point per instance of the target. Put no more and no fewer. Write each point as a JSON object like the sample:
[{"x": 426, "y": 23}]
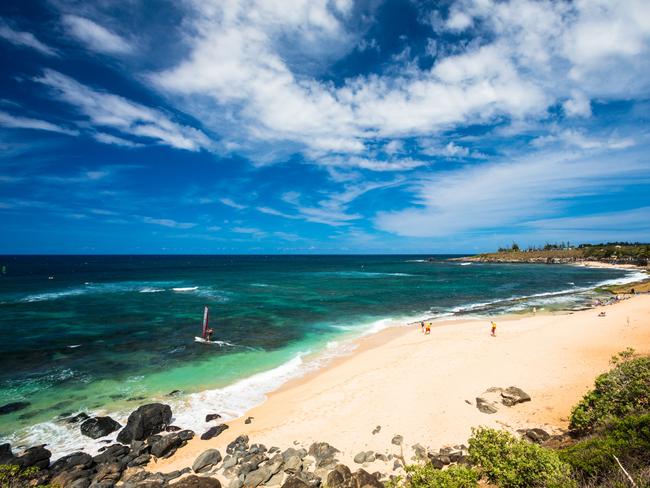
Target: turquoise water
[{"x": 107, "y": 333}]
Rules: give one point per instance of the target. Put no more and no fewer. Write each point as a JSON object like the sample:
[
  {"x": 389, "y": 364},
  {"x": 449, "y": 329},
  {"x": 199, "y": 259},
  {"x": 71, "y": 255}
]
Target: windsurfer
[{"x": 208, "y": 334}]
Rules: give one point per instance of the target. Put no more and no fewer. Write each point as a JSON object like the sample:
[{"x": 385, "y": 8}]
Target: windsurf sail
[{"x": 205, "y": 322}]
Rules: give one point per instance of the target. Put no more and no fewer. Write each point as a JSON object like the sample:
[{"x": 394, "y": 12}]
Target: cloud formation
[
  {"x": 94, "y": 36},
  {"x": 130, "y": 118},
  {"x": 24, "y": 39}
]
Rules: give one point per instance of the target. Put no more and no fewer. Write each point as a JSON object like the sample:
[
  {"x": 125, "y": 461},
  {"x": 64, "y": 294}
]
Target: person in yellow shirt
[{"x": 494, "y": 329}]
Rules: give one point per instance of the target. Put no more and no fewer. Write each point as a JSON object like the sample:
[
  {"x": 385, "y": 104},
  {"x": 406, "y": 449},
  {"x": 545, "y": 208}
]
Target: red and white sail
[{"x": 205, "y": 322}]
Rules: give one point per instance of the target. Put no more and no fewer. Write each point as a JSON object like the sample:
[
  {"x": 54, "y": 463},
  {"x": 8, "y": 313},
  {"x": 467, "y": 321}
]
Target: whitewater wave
[
  {"x": 361, "y": 274},
  {"x": 98, "y": 288},
  {"x": 185, "y": 288}
]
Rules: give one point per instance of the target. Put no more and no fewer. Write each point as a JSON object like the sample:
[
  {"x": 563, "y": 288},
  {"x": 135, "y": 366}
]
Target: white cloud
[
  {"x": 482, "y": 198},
  {"x": 109, "y": 110},
  {"x": 168, "y": 223},
  {"x": 17, "y": 122},
  {"x": 94, "y": 36},
  {"x": 626, "y": 221},
  {"x": 24, "y": 39},
  {"x": 402, "y": 164},
  {"x": 578, "y": 105},
  {"x": 117, "y": 141},
  {"x": 229, "y": 202},
  {"x": 458, "y": 21},
  {"x": 578, "y": 138}
]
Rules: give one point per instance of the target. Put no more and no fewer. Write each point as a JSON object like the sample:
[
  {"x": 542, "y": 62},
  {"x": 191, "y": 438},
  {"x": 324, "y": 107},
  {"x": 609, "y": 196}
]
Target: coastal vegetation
[
  {"x": 565, "y": 252},
  {"x": 608, "y": 444}
]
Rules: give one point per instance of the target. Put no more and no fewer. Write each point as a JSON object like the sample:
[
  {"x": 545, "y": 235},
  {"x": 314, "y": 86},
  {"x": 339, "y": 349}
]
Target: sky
[{"x": 322, "y": 126}]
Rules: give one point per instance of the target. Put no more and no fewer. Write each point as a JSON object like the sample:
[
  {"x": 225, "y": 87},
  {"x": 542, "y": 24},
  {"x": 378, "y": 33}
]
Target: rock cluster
[{"x": 490, "y": 400}]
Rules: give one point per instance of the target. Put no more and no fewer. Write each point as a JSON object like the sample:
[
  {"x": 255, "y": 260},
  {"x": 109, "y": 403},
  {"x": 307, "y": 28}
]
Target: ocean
[{"x": 105, "y": 334}]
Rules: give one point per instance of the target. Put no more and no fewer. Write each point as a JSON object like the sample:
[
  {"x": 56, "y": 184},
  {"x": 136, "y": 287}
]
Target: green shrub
[
  {"x": 512, "y": 463},
  {"x": 622, "y": 391},
  {"x": 14, "y": 476},
  {"x": 628, "y": 439},
  {"x": 426, "y": 476}
]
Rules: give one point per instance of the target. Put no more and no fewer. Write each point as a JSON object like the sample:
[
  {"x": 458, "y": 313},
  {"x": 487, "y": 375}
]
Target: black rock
[
  {"x": 80, "y": 417},
  {"x": 294, "y": 482},
  {"x": 324, "y": 454},
  {"x": 174, "y": 393},
  {"x": 239, "y": 444},
  {"x": 145, "y": 421},
  {"x": 364, "y": 479},
  {"x": 213, "y": 431},
  {"x": 172, "y": 428},
  {"x": 212, "y": 416},
  {"x": 108, "y": 474},
  {"x": 113, "y": 453},
  {"x": 513, "y": 395},
  {"x": 339, "y": 477},
  {"x": 194, "y": 481},
  {"x": 166, "y": 445},
  {"x": 537, "y": 435},
  {"x": 248, "y": 420},
  {"x": 186, "y": 435},
  {"x": 66, "y": 463},
  {"x": 140, "y": 460},
  {"x": 99, "y": 427},
  {"x": 13, "y": 407},
  {"x": 34, "y": 456},
  {"x": 6, "y": 456},
  {"x": 206, "y": 461}
]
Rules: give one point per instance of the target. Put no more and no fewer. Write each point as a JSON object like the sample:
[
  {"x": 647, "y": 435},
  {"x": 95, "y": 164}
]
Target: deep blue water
[{"x": 102, "y": 333}]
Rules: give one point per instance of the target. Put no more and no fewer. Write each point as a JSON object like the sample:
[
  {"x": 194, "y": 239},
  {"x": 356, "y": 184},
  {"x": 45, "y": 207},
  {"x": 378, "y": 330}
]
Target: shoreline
[
  {"x": 355, "y": 344},
  {"x": 328, "y": 404}
]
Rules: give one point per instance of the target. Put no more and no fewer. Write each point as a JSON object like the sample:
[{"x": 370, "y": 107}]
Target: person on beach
[
  {"x": 422, "y": 326},
  {"x": 427, "y": 330},
  {"x": 494, "y": 329}
]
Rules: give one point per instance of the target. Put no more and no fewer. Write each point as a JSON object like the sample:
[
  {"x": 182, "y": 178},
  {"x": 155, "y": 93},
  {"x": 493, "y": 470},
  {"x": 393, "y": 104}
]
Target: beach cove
[{"x": 424, "y": 387}]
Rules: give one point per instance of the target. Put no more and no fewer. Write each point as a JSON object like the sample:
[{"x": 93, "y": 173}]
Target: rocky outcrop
[
  {"x": 99, "y": 427},
  {"x": 324, "y": 454},
  {"x": 37, "y": 456},
  {"x": 145, "y": 421}
]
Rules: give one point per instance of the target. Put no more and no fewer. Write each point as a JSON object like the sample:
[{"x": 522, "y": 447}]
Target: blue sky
[{"x": 307, "y": 126}]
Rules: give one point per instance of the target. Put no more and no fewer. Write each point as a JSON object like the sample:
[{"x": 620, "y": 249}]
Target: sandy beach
[{"x": 423, "y": 387}]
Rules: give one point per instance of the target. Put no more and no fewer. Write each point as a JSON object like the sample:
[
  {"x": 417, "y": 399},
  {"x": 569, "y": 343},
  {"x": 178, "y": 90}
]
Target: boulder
[
  {"x": 295, "y": 482},
  {"x": 339, "y": 477},
  {"x": 485, "y": 406},
  {"x": 77, "y": 477},
  {"x": 194, "y": 481},
  {"x": 6, "y": 455},
  {"x": 420, "y": 452},
  {"x": 513, "y": 395},
  {"x": 257, "y": 477},
  {"x": 293, "y": 464},
  {"x": 108, "y": 473},
  {"x": 206, "y": 461},
  {"x": 66, "y": 463},
  {"x": 213, "y": 431},
  {"x": 239, "y": 444},
  {"x": 172, "y": 428},
  {"x": 397, "y": 440},
  {"x": 537, "y": 435},
  {"x": 13, "y": 407},
  {"x": 113, "y": 453},
  {"x": 376, "y": 430},
  {"x": 36, "y": 456},
  {"x": 75, "y": 419},
  {"x": 310, "y": 479},
  {"x": 324, "y": 454},
  {"x": 166, "y": 445},
  {"x": 248, "y": 420},
  {"x": 145, "y": 421},
  {"x": 99, "y": 427},
  {"x": 140, "y": 460},
  {"x": 212, "y": 416},
  {"x": 363, "y": 479}
]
